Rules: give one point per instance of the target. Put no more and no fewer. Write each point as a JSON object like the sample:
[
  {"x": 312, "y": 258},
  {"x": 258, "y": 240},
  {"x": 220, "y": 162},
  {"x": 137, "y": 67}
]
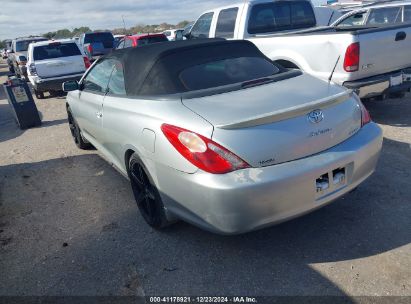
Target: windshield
[
  {"x": 225, "y": 72},
  {"x": 22, "y": 46},
  {"x": 56, "y": 51}
]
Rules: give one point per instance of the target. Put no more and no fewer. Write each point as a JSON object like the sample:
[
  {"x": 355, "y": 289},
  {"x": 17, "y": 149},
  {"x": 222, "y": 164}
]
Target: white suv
[{"x": 50, "y": 63}]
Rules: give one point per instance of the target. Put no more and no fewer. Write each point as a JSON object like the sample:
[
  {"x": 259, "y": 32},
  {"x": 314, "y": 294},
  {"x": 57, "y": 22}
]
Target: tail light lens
[
  {"x": 90, "y": 49},
  {"x": 87, "y": 62},
  {"x": 203, "y": 152},
  {"x": 365, "y": 115},
  {"x": 32, "y": 69},
  {"x": 352, "y": 58}
]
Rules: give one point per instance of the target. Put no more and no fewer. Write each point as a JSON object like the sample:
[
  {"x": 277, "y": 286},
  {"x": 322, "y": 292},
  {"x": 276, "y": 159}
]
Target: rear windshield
[
  {"x": 22, "y": 46},
  {"x": 106, "y": 38},
  {"x": 281, "y": 16},
  {"x": 150, "y": 40},
  {"x": 55, "y": 51},
  {"x": 225, "y": 72}
]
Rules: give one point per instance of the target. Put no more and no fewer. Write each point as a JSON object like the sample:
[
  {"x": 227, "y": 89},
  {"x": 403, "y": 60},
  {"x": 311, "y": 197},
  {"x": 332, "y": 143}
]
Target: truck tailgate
[{"x": 384, "y": 50}]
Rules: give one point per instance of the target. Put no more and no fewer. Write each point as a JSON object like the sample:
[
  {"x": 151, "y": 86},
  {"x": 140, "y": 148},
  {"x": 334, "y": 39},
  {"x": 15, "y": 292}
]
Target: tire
[
  {"x": 76, "y": 133},
  {"x": 146, "y": 195},
  {"x": 39, "y": 94}
]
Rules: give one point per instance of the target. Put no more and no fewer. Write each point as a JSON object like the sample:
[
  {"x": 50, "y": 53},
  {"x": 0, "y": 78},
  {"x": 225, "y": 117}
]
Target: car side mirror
[{"x": 70, "y": 86}]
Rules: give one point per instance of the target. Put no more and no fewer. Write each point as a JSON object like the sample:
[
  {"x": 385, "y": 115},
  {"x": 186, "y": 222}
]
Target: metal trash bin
[{"x": 22, "y": 103}]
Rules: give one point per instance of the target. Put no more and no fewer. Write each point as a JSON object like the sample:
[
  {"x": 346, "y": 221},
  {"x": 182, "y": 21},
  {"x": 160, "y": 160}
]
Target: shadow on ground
[
  {"x": 70, "y": 227},
  {"x": 393, "y": 112},
  {"x": 9, "y": 128}
]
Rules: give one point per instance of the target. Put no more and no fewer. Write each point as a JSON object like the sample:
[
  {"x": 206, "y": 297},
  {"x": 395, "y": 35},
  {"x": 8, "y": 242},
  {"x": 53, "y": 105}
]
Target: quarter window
[
  {"x": 387, "y": 15},
  {"x": 201, "y": 28},
  {"x": 116, "y": 85},
  {"x": 354, "y": 20},
  {"x": 97, "y": 79},
  {"x": 226, "y": 23},
  {"x": 281, "y": 16}
]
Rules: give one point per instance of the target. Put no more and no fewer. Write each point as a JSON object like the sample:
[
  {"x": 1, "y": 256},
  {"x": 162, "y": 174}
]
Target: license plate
[{"x": 396, "y": 80}]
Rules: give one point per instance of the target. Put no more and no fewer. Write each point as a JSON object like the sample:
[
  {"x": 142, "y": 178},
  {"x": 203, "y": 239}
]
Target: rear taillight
[
  {"x": 365, "y": 115},
  {"x": 203, "y": 152},
  {"x": 352, "y": 58},
  {"x": 87, "y": 63},
  {"x": 32, "y": 69},
  {"x": 90, "y": 49}
]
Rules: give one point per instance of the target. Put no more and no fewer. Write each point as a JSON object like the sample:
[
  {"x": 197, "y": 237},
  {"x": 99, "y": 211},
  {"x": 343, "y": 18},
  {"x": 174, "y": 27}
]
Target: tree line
[{"x": 137, "y": 29}]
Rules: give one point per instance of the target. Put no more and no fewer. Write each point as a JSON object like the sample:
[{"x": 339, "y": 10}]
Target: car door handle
[
  {"x": 99, "y": 115},
  {"x": 400, "y": 36}
]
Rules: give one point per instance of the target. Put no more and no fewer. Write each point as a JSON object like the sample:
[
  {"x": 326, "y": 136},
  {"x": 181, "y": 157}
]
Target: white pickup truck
[{"x": 373, "y": 61}]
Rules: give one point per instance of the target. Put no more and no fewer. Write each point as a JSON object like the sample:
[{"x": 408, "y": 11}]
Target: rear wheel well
[{"x": 287, "y": 64}]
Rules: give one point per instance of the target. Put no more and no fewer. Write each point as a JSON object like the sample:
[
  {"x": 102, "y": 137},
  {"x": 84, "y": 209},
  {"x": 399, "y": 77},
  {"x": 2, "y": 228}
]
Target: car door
[
  {"x": 93, "y": 89},
  {"x": 116, "y": 117},
  {"x": 201, "y": 29}
]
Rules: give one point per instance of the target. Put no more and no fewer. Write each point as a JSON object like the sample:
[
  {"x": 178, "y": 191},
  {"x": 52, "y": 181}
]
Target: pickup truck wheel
[
  {"x": 76, "y": 133},
  {"x": 146, "y": 195},
  {"x": 39, "y": 94}
]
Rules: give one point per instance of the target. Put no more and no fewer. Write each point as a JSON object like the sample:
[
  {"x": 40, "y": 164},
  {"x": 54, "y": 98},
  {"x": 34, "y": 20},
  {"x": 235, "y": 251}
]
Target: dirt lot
[{"x": 69, "y": 226}]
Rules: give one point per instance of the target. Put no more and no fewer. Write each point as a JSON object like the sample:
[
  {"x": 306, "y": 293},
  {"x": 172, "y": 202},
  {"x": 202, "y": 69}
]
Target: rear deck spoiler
[{"x": 289, "y": 112}]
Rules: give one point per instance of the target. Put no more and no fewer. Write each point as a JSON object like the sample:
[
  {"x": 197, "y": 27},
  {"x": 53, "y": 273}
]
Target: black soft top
[{"x": 154, "y": 69}]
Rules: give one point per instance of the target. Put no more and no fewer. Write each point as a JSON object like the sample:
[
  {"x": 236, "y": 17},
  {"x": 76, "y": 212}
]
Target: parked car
[
  {"x": 96, "y": 44},
  {"x": 373, "y": 62},
  {"x": 140, "y": 40},
  {"x": 376, "y": 14},
  {"x": 7, "y": 49},
  {"x": 225, "y": 139},
  {"x": 173, "y": 35},
  {"x": 18, "y": 56},
  {"x": 50, "y": 63}
]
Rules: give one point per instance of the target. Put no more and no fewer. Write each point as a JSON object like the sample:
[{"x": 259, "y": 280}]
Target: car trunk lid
[{"x": 276, "y": 122}]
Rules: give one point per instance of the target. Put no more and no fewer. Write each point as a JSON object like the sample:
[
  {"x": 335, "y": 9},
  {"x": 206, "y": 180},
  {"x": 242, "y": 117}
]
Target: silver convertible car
[{"x": 213, "y": 133}]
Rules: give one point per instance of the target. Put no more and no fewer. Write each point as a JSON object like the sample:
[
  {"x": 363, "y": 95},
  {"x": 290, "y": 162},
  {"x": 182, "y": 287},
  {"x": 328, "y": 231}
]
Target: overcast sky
[{"x": 33, "y": 17}]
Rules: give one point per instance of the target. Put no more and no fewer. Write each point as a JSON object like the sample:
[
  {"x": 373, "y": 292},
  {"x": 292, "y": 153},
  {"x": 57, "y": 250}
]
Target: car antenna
[{"x": 335, "y": 66}]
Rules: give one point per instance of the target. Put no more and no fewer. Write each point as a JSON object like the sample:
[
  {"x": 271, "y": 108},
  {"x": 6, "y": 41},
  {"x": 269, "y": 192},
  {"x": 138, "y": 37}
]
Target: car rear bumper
[
  {"x": 381, "y": 84},
  {"x": 254, "y": 198},
  {"x": 52, "y": 84}
]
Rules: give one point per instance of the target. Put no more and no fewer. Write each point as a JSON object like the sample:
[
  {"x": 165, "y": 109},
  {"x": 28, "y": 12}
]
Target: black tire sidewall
[{"x": 159, "y": 220}]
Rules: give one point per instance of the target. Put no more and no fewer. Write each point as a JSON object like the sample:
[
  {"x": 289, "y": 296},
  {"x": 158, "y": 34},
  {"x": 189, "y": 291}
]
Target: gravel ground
[{"x": 69, "y": 226}]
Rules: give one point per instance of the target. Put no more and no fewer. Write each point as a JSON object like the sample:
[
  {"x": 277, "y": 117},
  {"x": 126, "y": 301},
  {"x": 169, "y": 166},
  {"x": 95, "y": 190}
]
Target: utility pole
[{"x": 124, "y": 24}]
